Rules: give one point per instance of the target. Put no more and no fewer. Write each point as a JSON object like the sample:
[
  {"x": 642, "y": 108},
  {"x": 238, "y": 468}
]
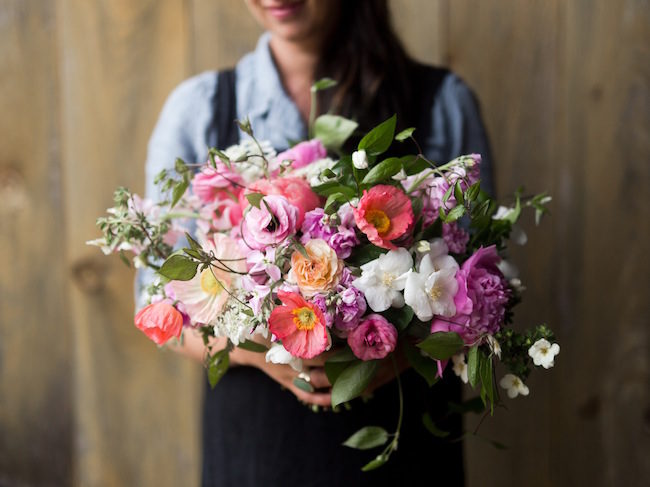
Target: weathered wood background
[{"x": 86, "y": 400}]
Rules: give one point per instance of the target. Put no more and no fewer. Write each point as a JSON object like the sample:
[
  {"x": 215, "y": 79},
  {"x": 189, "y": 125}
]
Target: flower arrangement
[{"x": 364, "y": 255}]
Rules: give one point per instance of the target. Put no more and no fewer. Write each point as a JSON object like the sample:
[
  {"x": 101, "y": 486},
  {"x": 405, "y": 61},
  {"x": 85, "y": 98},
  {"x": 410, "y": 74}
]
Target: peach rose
[{"x": 318, "y": 273}]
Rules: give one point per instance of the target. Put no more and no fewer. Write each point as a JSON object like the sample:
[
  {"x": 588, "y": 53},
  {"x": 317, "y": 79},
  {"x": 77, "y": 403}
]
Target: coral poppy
[
  {"x": 160, "y": 322},
  {"x": 300, "y": 325},
  {"x": 384, "y": 214}
]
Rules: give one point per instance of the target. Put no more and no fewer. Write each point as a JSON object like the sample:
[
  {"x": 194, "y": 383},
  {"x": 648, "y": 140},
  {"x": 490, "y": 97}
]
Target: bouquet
[{"x": 360, "y": 253}]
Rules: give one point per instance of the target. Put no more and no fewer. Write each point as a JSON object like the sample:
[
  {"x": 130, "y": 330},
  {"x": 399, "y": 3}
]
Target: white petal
[{"x": 396, "y": 262}]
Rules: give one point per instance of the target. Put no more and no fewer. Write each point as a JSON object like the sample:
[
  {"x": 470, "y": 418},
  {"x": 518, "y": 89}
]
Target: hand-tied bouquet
[{"x": 363, "y": 254}]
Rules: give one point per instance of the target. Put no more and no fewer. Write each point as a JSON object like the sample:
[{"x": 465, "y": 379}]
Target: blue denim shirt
[{"x": 184, "y": 128}]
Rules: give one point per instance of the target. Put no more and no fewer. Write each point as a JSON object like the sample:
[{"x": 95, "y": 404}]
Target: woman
[{"x": 255, "y": 432}]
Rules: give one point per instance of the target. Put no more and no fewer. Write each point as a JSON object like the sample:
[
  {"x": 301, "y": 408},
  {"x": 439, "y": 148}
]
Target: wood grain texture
[
  {"x": 136, "y": 409},
  {"x": 35, "y": 331},
  {"x": 423, "y": 27}
]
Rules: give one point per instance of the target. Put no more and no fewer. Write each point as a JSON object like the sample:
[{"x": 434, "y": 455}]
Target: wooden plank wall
[{"x": 564, "y": 86}]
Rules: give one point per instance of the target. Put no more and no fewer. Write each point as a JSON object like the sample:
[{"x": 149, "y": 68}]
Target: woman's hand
[{"x": 283, "y": 374}]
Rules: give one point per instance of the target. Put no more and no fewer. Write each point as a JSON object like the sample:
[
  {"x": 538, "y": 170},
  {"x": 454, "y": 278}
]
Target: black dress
[{"x": 257, "y": 434}]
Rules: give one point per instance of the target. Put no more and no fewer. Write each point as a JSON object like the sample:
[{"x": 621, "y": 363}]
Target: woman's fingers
[{"x": 318, "y": 378}]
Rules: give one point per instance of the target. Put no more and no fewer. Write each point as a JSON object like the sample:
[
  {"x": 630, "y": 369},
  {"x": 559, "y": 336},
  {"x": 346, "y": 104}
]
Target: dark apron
[{"x": 256, "y": 434}]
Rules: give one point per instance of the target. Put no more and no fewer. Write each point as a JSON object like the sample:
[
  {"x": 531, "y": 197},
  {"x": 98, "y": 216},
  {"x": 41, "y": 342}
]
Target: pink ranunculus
[
  {"x": 481, "y": 299},
  {"x": 373, "y": 339},
  {"x": 303, "y": 154},
  {"x": 270, "y": 224},
  {"x": 296, "y": 190},
  {"x": 218, "y": 183},
  {"x": 160, "y": 322},
  {"x": 384, "y": 213},
  {"x": 218, "y": 215}
]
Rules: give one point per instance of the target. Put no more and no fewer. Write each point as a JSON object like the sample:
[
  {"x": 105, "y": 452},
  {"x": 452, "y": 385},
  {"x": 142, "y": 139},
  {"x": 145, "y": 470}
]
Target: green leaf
[
  {"x": 454, "y": 214},
  {"x": 337, "y": 363},
  {"x": 252, "y": 346},
  {"x": 344, "y": 355},
  {"x": 333, "y": 130},
  {"x": 332, "y": 187},
  {"x": 301, "y": 248},
  {"x": 414, "y": 165},
  {"x": 474, "y": 405},
  {"x": 487, "y": 386},
  {"x": 193, "y": 243},
  {"x": 473, "y": 191},
  {"x": 432, "y": 428},
  {"x": 405, "y": 134},
  {"x": 353, "y": 381},
  {"x": 432, "y": 231},
  {"x": 178, "y": 268},
  {"x": 472, "y": 365},
  {"x": 364, "y": 254},
  {"x": 383, "y": 171},
  {"x": 179, "y": 191},
  {"x": 193, "y": 253},
  {"x": 303, "y": 384},
  {"x": 441, "y": 345},
  {"x": 458, "y": 193},
  {"x": 331, "y": 201},
  {"x": 218, "y": 367},
  {"x": 323, "y": 84},
  {"x": 447, "y": 194},
  {"x": 378, "y": 140},
  {"x": 423, "y": 365},
  {"x": 376, "y": 463},
  {"x": 255, "y": 199},
  {"x": 399, "y": 317},
  {"x": 367, "y": 438},
  {"x": 180, "y": 166}
]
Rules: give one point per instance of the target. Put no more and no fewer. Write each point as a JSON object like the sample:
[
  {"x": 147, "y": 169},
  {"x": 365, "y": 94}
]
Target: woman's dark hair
[{"x": 373, "y": 70}]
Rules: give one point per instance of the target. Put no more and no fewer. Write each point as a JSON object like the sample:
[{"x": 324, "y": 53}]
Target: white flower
[
  {"x": 382, "y": 279},
  {"x": 502, "y": 213},
  {"x": 101, "y": 243},
  {"x": 513, "y": 385},
  {"x": 431, "y": 290},
  {"x": 422, "y": 247},
  {"x": 543, "y": 353},
  {"x": 460, "y": 367},
  {"x": 400, "y": 176},
  {"x": 312, "y": 172},
  {"x": 277, "y": 354},
  {"x": 494, "y": 346},
  {"x": 360, "y": 159}
]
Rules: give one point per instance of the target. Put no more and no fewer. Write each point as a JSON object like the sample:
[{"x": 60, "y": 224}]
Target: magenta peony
[{"x": 481, "y": 298}]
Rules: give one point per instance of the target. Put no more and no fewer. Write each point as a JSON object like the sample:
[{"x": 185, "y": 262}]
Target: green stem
[
  {"x": 312, "y": 112},
  {"x": 401, "y": 403}
]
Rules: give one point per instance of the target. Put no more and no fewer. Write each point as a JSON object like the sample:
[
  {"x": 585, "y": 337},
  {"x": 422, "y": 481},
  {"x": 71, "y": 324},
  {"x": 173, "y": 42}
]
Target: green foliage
[
  {"x": 323, "y": 84},
  {"x": 179, "y": 268},
  {"x": 363, "y": 254},
  {"x": 382, "y": 172},
  {"x": 515, "y": 345},
  {"x": 353, "y": 381},
  {"x": 441, "y": 345},
  {"x": 338, "y": 363},
  {"x": 432, "y": 428},
  {"x": 422, "y": 364},
  {"x": 367, "y": 438},
  {"x": 472, "y": 365},
  {"x": 218, "y": 366},
  {"x": 252, "y": 346},
  {"x": 377, "y": 462},
  {"x": 405, "y": 134},
  {"x": 333, "y": 130},
  {"x": 399, "y": 317},
  {"x": 255, "y": 199},
  {"x": 378, "y": 140},
  {"x": 303, "y": 384}
]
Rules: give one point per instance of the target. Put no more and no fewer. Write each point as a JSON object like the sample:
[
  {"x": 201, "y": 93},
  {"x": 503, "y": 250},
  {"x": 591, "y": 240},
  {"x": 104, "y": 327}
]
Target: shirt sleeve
[
  {"x": 180, "y": 132},
  {"x": 459, "y": 118}
]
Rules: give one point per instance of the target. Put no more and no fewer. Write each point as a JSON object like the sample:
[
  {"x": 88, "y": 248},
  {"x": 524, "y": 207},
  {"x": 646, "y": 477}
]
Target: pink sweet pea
[
  {"x": 303, "y": 154},
  {"x": 160, "y": 322},
  {"x": 384, "y": 214},
  {"x": 300, "y": 325},
  {"x": 373, "y": 339},
  {"x": 481, "y": 298}
]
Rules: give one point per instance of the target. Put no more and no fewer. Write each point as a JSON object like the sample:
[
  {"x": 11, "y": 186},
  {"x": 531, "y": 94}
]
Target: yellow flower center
[
  {"x": 379, "y": 220},
  {"x": 209, "y": 283},
  {"x": 387, "y": 279},
  {"x": 435, "y": 293},
  {"x": 304, "y": 318}
]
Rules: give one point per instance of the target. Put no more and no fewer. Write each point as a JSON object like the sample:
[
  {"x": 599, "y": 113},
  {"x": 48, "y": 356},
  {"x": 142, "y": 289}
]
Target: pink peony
[
  {"x": 215, "y": 184},
  {"x": 160, "y": 322},
  {"x": 384, "y": 214},
  {"x": 374, "y": 338},
  {"x": 219, "y": 215},
  {"x": 270, "y": 224},
  {"x": 296, "y": 190},
  {"x": 303, "y": 154},
  {"x": 300, "y": 325},
  {"x": 481, "y": 298}
]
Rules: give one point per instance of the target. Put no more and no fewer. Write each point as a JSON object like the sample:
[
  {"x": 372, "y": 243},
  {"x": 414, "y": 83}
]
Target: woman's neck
[{"x": 296, "y": 65}]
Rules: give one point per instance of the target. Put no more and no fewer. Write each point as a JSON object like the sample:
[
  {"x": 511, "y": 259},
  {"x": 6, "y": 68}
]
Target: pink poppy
[
  {"x": 300, "y": 325},
  {"x": 160, "y": 322},
  {"x": 384, "y": 214}
]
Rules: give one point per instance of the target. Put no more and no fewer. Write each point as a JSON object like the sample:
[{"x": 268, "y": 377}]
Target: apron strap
[{"x": 225, "y": 110}]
